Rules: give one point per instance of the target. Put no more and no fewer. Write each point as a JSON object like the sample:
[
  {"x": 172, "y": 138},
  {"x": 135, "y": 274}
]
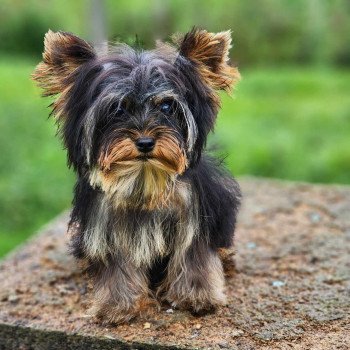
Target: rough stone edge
[{"x": 14, "y": 337}]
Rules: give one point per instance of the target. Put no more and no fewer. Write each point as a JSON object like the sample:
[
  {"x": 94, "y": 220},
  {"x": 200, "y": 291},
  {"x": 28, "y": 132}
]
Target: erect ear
[
  {"x": 63, "y": 54},
  {"x": 210, "y": 53}
]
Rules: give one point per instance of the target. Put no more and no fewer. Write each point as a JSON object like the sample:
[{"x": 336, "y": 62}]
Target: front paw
[
  {"x": 116, "y": 313},
  {"x": 197, "y": 300}
]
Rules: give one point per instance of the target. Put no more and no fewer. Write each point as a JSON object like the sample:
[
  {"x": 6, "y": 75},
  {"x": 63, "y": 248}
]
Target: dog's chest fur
[{"x": 141, "y": 235}]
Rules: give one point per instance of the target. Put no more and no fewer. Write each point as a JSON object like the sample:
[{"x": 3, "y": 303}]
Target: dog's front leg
[
  {"x": 195, "y": 279},
  {"x": 121, "y": 291}
]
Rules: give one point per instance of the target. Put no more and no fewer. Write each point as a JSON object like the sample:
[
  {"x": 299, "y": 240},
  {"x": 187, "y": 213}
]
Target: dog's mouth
[
  {"x": 139, "y": 158},
  {"x": 144, "y": 157},
  {"x": 135, "y": 164},
  {"x": 150, "y": 160},
  {"x": 123, "y": 156}
]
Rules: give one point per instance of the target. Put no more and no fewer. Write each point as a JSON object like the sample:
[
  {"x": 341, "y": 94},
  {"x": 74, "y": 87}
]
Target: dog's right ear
[
  {"x": 63, "y": 54},
  {"x": 209, "y": 52}
]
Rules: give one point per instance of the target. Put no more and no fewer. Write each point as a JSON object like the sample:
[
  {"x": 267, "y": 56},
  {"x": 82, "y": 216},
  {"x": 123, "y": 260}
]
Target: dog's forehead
[
  {"x": 144, "y": 73},
  {"x": 137, "y": 63}
]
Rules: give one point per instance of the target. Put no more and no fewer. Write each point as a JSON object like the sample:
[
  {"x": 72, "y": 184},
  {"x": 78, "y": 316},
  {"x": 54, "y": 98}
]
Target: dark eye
[
  {"x": 116, "y": 110},
  {"x": 120, "y": 111},
  {"x": 167, "y": 107}
]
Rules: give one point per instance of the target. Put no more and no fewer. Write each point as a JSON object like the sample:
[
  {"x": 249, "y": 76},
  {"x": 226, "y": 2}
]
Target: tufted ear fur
[
  {"x": 63, "y": 54},
  {"x": 210, "y": 53}
]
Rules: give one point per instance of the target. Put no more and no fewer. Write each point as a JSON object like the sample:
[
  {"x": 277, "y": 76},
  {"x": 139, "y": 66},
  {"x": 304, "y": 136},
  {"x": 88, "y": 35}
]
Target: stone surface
[{"x": 291, "y": 288}]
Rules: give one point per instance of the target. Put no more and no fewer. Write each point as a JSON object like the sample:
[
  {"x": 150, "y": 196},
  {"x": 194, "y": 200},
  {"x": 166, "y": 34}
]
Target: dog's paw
[
  {"x": 115, "y": 313},
  {"x": 197, "y": 301}
]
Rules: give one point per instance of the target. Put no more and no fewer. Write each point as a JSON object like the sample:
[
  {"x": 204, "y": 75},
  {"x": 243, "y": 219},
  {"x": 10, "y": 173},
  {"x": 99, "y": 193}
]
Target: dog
[{"x": 153, "y": 216}]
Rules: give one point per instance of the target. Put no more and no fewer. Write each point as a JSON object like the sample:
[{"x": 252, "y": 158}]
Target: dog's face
[{"x": 129, "y": 115}]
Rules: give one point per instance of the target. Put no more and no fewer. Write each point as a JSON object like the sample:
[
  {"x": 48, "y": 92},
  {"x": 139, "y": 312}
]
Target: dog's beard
[{"x": 131, "y": 179}]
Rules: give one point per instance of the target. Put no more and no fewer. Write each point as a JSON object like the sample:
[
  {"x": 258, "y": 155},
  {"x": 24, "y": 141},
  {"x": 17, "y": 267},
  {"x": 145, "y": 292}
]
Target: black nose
[{"x": 145, "y": 144}]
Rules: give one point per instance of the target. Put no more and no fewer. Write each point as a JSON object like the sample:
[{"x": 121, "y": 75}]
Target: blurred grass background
[{"x": 289, "y": 118}]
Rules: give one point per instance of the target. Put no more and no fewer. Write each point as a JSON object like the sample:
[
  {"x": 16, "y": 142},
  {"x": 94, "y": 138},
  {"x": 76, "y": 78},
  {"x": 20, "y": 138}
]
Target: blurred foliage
[
  {"x": 35, "y": 183},
  {"x": 289, "y": 123},
  {"x": 265, "y": 32},
  {"x": 24, "y": 23}
]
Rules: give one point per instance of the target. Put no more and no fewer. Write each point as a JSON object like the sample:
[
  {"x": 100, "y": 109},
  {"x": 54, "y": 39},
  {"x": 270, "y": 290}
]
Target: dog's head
[{"x": 132, "y": 116}]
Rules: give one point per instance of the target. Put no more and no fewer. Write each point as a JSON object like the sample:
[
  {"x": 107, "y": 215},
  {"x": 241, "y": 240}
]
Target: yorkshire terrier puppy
[{"x": 153, "y": 216}]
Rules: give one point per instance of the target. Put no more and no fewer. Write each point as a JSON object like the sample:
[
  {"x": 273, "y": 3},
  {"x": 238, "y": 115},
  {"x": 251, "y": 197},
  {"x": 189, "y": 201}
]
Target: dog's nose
[{"x": 145, "y": 144}]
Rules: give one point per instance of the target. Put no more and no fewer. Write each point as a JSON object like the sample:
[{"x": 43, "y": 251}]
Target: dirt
[{"x": 290, "y": 290}]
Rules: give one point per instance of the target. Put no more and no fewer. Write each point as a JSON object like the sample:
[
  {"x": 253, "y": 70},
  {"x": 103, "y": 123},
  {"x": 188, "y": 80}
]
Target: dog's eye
[
  {"x": 117, "y": 110},
  {"x": 120, "y": 111},
  {"x": 167, "y": 107}
]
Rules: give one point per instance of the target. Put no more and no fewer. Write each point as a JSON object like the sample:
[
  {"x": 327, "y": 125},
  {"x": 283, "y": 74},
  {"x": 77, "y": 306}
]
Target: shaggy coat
[{"x": 152, "y": 214}]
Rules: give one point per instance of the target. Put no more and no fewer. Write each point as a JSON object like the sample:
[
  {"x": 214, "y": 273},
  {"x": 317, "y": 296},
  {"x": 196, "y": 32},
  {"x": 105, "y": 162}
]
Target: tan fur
[
  {"x": 121, "y": 293},
  {"x": 114, "y": 313},
  {"x": 137, "y": 184},
  {"x": 227, "y": 258},
  {"x": 58, "y": 64},
  {"x": 210, "y": 53},
  {"x": 134, "y": 181}
]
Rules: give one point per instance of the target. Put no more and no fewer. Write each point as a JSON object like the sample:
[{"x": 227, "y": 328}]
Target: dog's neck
[{"x": 141, "y": 185}]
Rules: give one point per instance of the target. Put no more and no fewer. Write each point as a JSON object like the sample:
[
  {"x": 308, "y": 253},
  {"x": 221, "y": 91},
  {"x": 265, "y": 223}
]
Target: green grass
[
  {"x": 34, "y": 182},
  {"x": 287, "y": 123}
]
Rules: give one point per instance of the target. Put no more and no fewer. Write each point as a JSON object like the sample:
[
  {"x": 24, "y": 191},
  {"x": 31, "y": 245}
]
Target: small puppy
[{"x": 153, "y": 217}]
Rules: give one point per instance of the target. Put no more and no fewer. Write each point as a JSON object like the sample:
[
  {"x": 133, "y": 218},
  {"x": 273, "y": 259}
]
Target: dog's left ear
[
  {"x": 209, "y": 52},
  {"x": 63, "y": 54}
]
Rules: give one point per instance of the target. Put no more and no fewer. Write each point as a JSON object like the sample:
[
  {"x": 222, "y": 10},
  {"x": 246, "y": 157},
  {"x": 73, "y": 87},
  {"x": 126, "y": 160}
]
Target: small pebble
[
  {"x": 13, "y": 298},
  {"x": 236, "y": 332},
  {"x": 315, "y": 217},
  {"x": 169, "y": 311},
  {"x": 146, "y": 325},
  {"x": 278, "y": 283},
  {"x": 198, "y": 326},
  {"x": 251, "y": 245},
  {"x": 108, "y": 336},
  {"x": 224, "y": 345}
]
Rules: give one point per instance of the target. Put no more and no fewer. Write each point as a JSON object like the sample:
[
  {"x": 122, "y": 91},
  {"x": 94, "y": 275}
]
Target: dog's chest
[
  {"x": 153, "y": 235},
  {"x": 140, "y": 236},
  {"x": 144, "y": 236}
]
